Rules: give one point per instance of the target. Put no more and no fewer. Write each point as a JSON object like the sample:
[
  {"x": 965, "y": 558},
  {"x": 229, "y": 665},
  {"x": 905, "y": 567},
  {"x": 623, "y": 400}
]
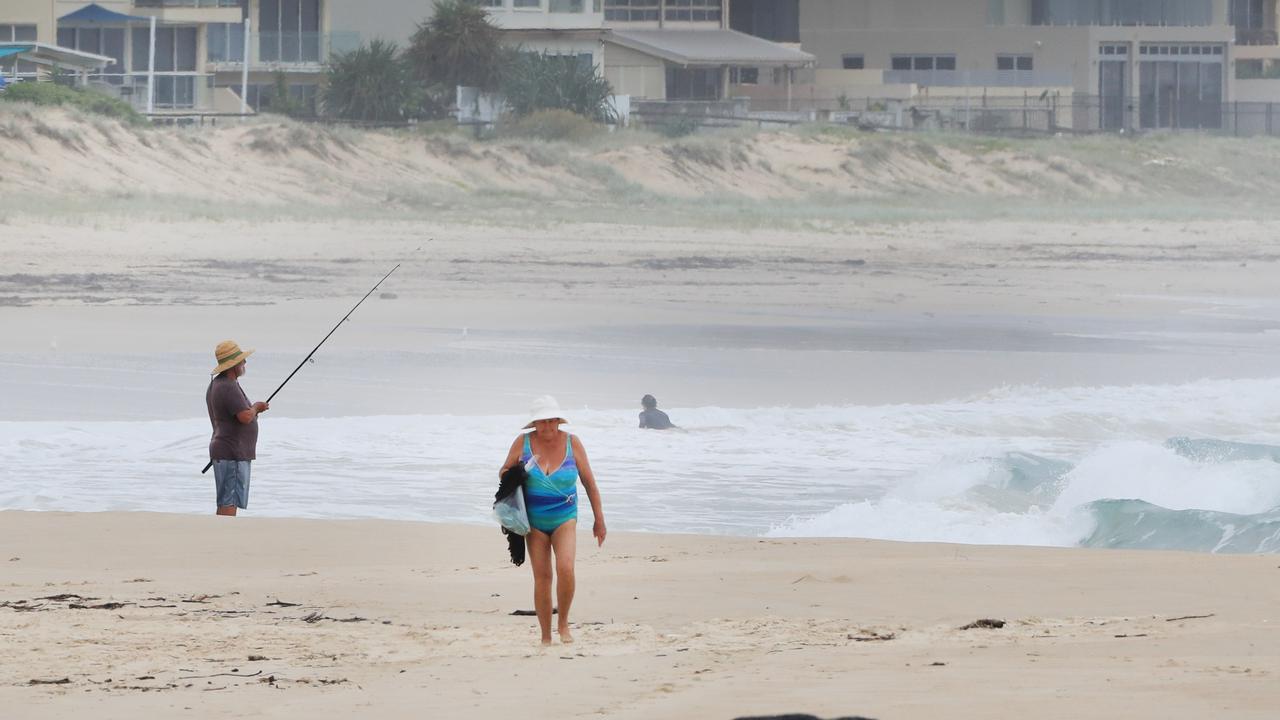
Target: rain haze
[{"x": 973, "y": 279}]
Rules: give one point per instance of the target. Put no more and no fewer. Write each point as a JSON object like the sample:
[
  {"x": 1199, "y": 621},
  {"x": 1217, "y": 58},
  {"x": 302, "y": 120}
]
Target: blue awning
[
  {"x": 7, "y": 51},
  {"x": 95, "y": 13}
]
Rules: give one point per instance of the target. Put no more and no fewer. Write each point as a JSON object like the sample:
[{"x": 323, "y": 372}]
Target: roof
[
  {"x": 61, "y": 57},
  {"x": 95, "y": 13},
  {"x": 709, "y": 47}
]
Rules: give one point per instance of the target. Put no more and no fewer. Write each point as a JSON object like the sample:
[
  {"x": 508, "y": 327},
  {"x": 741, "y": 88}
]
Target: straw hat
[
  {"x": 545, "y": 408},
  {"x": 228, "y": 354}
]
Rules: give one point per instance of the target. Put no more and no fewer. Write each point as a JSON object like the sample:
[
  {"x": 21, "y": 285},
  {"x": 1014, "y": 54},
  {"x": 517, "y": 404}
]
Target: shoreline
[{"x": 414, "y": 617}]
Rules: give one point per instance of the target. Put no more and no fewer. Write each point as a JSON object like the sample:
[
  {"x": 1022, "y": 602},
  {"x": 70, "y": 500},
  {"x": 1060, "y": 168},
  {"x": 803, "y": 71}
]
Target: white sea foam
[{"x": 1010, "y": 467}]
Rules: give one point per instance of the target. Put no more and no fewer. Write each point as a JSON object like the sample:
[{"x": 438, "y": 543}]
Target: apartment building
[
  {"x": 1145, "y": 63},
  {"x": 27, "y": 29},
  {"x": 200, "y": 48},
  {"x": 649, "y": 49}
]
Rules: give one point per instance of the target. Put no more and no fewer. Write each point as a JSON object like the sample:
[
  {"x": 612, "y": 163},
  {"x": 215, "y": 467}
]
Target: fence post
[
  {"x": 1269, "y": 107},
  {"x": 1237, "y": 119}
]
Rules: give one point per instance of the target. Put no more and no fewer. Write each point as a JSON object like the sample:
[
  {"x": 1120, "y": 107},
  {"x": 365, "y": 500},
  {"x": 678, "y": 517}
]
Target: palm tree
[
  {"x": 457, "y": 46},
  {"x": 372, "y": 83}
]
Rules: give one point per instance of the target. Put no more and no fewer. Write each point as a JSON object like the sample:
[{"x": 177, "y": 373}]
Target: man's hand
[
  {"x": 599, "y": 530},
  {"x": 261, "y": 407}
]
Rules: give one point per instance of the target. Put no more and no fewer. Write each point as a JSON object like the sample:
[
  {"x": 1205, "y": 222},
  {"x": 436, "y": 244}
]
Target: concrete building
[
  {"x": 1142, "y": 63},
  {"x": 199, "y": 50},
  {"x": 649, "y": 49}
]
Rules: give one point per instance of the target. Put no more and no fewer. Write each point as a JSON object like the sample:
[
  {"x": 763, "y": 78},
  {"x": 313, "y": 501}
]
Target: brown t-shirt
[{"x": 232, "y": 439}]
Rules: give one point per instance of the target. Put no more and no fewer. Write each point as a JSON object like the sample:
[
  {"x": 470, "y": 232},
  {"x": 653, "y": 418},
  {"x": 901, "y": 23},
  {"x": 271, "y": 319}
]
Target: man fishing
[
  {"x": 235, "y": 419},
  {"x": 235, "y": 428}
]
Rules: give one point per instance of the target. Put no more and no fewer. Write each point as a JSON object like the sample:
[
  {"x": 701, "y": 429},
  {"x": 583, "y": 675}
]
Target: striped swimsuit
[{"x": 552, "y": 499}]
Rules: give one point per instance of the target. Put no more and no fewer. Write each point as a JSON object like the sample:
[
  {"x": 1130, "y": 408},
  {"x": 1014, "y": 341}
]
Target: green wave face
[{"x": 1140, "y": 525}]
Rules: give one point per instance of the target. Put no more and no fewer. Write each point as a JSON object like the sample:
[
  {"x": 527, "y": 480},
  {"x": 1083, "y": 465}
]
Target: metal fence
[{"x": 1045, "y": 114}]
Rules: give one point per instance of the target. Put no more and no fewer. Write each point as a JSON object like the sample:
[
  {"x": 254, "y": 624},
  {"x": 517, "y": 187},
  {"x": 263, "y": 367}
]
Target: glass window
[
  {"x": 852, "y": 62},
  {"x": 113, "y": 47},
  {"x": 66, "y": 37},
  {"x": 900, "y": 62},
  {"x": 24, "y": 33},
  {"x": 945, "y": 62}
]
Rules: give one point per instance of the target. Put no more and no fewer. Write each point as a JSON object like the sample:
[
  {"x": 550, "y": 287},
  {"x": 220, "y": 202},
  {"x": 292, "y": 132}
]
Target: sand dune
[{"x": 275, "y": 161}]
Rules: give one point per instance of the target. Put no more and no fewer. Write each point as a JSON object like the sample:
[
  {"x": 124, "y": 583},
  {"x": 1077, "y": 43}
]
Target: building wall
[
  {"x": 975, "y": 32},
  {"x": 30, "y": 12},
  {"x": 636, "y": 74},
  {"x": 394, "y": 20}
]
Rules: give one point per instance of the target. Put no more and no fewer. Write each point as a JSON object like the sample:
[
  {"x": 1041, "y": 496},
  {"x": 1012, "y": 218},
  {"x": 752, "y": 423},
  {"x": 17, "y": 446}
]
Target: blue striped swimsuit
[{"x": 552, "y": 500}]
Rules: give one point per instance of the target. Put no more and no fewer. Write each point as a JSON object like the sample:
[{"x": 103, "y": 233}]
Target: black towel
[{"x": 513, "y": 480}]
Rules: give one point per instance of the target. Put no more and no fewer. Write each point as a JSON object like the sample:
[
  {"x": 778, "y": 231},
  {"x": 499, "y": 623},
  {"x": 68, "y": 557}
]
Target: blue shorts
[{"x": 231, "y": 478}]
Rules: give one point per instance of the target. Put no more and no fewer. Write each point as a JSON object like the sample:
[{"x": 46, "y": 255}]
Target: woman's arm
[
  {"x": 589, "y": 483},
  {"x": 513, "y": 455}
]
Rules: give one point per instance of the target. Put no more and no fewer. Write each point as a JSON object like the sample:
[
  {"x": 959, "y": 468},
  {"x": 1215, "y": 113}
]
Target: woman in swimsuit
[{"x": 556, "y": 462}]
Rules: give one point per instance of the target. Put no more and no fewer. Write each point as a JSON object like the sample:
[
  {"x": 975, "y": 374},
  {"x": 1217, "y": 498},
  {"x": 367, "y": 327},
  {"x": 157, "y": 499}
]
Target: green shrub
[
  {"x": 47, "y": 93},
  {"x": 533, "y": 82},
  {"x": 675, "y": 126},
  {"x": 372, "y": 83},
  {"x": 552, "y": 125}
]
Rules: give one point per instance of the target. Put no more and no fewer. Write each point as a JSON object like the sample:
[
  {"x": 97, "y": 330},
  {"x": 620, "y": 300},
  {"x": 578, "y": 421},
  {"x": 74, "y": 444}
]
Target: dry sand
[{"x": 415, "y": 622}]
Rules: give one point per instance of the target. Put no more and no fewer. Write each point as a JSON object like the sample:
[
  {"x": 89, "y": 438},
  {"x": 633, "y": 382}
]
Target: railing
[
  {"x": 1256, "y": 36},
  {"x": 226, "y": 46},
  {"x": 187, "y": 3},
  {"x": 174, "y": 91},
  {"x": 978, "y": 78}
]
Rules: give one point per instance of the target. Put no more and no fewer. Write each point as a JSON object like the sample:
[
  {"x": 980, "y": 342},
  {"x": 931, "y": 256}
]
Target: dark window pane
[
  {"x": 310, "y": 16},
  {"x": 164, "y": 49},
  {"x": 186, "y": 40},
  {"x": 66, "y": 37},
  {"x": 946, "y": 62},
  {"x": 113, "y": 47},
  {"x": 1024, "y": 62},
  {"x": 853, "y": 62},
  {"x": 89, "y": 41},
  {"x": 1004, "y": 62},
  {"x": 900, "y": 62},
  {"x": 140, "y": 48},
  {"x": 24, "y": 33},
  {"x": 269, "y": 15}
]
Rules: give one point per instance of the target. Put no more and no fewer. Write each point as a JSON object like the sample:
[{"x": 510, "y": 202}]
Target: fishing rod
[{"x": 317, "y": 347}]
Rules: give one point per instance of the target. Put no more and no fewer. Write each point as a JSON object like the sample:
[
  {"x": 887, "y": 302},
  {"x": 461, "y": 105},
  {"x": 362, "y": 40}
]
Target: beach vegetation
[
  {"x": 533, "y": 82},
  {"x": 373, "y": 84},
  {"x": 58, "y": 94},
  {"x": 457, "y": 45},
  {"x": 553, "y": 124}
]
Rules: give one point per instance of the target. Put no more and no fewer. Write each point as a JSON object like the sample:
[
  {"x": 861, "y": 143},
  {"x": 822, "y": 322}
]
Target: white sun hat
[{"x": 545, "y": 408}]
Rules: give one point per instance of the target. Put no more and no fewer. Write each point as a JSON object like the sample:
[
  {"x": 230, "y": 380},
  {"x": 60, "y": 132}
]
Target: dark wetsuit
[{"x": 655, "y": 419}]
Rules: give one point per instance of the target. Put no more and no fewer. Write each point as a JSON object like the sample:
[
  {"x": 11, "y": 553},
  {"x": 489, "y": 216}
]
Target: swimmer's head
[{"x": 648, "y": 402}]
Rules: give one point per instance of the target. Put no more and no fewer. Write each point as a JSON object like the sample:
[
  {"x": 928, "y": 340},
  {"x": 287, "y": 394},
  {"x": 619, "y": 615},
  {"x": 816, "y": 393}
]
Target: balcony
[
  {"x": 175, "y": 91},
  {"x": 979, "y": 78},
  {"x": 1256, "y": 36},
  {"x": 276, "y": 50},
  {"x": 186, "y": 3}
]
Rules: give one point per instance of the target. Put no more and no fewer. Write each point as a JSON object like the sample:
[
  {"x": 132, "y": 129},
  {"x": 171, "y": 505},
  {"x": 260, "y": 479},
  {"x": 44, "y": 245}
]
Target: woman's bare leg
[
  {"x": 539, "y": 545},
  {"x": 565, "y": 543}
]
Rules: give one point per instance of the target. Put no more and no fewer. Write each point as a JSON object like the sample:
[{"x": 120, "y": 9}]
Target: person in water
[
  {"x": 651, "y": 417},
  {"x": 556, "y": 462}
]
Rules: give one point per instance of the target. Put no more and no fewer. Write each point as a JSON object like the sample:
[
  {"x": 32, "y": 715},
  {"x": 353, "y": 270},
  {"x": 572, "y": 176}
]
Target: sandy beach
[
  {"x": 414, "y": 621},
  {"x": 994, "y": 343}
]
